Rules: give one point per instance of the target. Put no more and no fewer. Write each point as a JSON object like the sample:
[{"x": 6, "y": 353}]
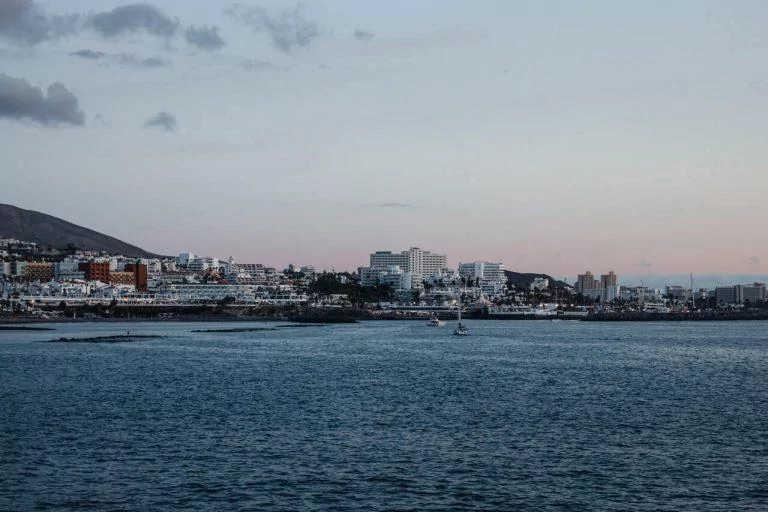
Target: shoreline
[{"x": 349, "y": 317}]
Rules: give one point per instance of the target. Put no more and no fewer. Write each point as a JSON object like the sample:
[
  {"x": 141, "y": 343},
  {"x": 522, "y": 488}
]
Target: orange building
[
  {"x": 121, "y": 278},
  {"x": 95, "y": 271},
  {"x": 140, "y": 275},
  {"x": 42, "y": 272}
]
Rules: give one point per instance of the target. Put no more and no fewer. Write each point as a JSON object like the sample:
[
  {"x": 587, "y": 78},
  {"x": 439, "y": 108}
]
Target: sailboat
[{"x": 460, "y": 329}]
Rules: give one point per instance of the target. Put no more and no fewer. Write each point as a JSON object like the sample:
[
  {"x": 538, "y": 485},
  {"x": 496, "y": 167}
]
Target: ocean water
[{"x": 388, "y": 416}]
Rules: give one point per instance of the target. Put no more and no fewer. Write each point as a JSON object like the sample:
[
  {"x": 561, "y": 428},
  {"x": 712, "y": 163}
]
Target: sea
[{"x": 388, "y": 415}]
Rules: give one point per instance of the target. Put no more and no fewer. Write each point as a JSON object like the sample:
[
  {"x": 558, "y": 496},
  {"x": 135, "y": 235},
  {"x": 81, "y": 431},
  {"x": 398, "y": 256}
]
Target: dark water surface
[{"x": 388, "y": 416}]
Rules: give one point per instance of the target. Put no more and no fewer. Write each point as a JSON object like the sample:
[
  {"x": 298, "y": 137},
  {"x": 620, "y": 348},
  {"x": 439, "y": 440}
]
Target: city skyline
[{"x": 554, "y": 138}]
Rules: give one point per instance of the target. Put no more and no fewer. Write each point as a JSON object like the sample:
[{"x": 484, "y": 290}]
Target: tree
[{"x": 226, "y": 300}]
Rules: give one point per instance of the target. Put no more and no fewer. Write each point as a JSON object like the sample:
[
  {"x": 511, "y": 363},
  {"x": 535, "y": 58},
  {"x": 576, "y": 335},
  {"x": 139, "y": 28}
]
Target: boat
[
  {"x": 460, "y": 330},
  {"x": 435, "y": 322}
]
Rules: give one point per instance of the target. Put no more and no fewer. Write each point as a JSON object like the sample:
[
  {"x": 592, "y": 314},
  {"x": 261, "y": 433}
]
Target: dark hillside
[{"x": 31, "y": 226}]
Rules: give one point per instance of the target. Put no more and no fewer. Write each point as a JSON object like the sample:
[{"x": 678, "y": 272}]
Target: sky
[{"x": 553, "y": 136}]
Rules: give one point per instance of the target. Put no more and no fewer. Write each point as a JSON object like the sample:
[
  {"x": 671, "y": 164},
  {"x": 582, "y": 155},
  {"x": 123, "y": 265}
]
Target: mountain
[
  {"x": 524, "y": 281},
  {"x": 31, "y": 226}
]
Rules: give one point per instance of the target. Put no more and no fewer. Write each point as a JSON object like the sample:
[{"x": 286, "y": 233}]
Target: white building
[
  {"x": 491, "y": 275},
  {"x": 420, "y": 264},
  {"x": 203, "y": 264},
  {"x": 397, "y": 278},
  {"x": 184, "y": 258}
]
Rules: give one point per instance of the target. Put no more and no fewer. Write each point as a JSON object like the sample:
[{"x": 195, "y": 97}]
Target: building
[
  {"x": 122, "y": 277},
  {"x": 42, "y": 272},
  {"x": 491, "y": 275},
  {"x": 202, "y": 264},
  {"x": 609, "y": 286},
  {"x": 139, "y": 271},
  {"x": 397, "y": 278},
  {"x": 675, "y": 292},
  {"x": 95, "y": 270},
  {"x": 18, "y": 268},
  {"x": 588, "y": 286},
  {"x": 606, "y": 289},
  {"x": 184, "y": 258},
  {"x": 68, "y": 270},
  {"x": 420, "y": 264},
  {"x": 749, "y": 293},
  {"x": 725, "y": 295}
]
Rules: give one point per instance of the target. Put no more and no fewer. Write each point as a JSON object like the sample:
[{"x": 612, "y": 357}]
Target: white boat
[
  {"x": 460, "y": 330},
  {"x": 435, "y": 322}
]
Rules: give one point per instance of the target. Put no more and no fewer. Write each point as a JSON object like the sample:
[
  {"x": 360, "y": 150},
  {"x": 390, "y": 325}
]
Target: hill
[
  {"x": 521, "y": 280},
  {"x": 43, "y": 229}
]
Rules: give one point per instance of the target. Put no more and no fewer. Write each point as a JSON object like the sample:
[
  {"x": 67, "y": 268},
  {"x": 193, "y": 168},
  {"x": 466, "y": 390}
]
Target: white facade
[
  {"x": 185, "y": 257},
  {"x": 397, "y": 278},
  {"x": 203, "y": 264},
  {"x": 420, "y": 264}
]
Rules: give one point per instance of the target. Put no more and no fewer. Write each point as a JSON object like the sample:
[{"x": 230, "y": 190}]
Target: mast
[{"x": 693, "y": 297}]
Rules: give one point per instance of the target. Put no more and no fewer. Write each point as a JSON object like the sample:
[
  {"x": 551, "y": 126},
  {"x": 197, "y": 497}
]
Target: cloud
[
  {"x": 23, "y": 22},
  {"x": 204, "y": 37},
  {"x": 260, "y": 65},
  {"x": 130, "y": 59},
  {"x": 89, "y": 54},
  {"x": 396, "y": 205},
  {"x": 287, "y": 28},
  {"x": 363, "y": 35},
  {"x": 162, "y": 120},
  {"x": 125, "y": 59},
  {"x": 20, "y": 100},
  {"x": 101, "y": 120},
  {"x": 134, "y": 18},
  {"x": 753, "y": 260},
  {"x": 644, "y": 264}
]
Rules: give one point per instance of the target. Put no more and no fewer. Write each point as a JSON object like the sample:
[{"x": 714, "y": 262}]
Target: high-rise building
[
  {"x": 609, "y": 286},
  {"x": 420, "y": 264},
  {"x": 584, "y": 281},
  {"x": 606, "y": 289}
]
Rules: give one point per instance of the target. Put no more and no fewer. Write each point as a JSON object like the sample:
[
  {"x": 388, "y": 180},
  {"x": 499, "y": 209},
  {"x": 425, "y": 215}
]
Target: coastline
[{"x": 344, "y": 316}]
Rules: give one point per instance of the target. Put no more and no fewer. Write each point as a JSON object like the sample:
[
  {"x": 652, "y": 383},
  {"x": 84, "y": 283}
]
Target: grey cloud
[
  {"x": 396, "y": 205},
  {"x": 363, "y": 35},
  {"x": 125, "y": 59},
  {"x": 260, "y": 65},
  {"x": 162, "y": 120},
  {"x": 100, "y": 119},
  {"x": 129, "y": 59},
  {"x": 23, "y": 22},
  {"x": 644, "y": 263},
  {"x": 288, "y": 28},
  {"x": 89, "y": 54},
  {"x": 205, "y": 37},
  {"x": 754, "y": 260},
  {"x": 134, "y": 18},
  {"x": 20, "y": 100}
]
